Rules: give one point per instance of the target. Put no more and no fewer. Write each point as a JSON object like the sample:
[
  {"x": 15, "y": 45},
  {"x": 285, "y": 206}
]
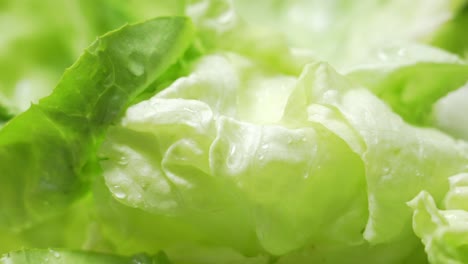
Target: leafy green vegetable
[
  {"x": 5, "y": 115},
  {"x": 69, "y": 124},
  {"x": 412, "y": 78},
  {"x": 444, "y": 232},
  {"x": 448, "y": 113},
  {"x": 247, "y": 132},
  {"x": 452, "y": 35},
  {"x": 345, "y": 33},
  {"x": 38, "y": 43},
  {"x": 422, "y": 159},
  {"x": 63, "y": 256},
  {"x": 191, "y": 124}
]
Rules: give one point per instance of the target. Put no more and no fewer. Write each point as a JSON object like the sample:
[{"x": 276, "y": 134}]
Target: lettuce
[
  {"x": 38, "y": 43},
  {"x": 343, "y": 33},
  {"x": 235, "y": 132},
  {"x": 62, "y": 256},
  {"x": 68, "y": 125},
  {"x": 443, "y": 232}
]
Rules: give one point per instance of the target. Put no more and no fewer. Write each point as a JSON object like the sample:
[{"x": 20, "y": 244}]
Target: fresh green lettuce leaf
[
  {"x": 223, "y": 137},
  {"x": 69, "y": 124},
  {"x": 203, "y": 141},
  {"x": 344, "y": 33},
  {"x": 451, "y": 36},
  {"x": 411, "y": 78},
  {"x": 443, "y": 231},
  {"x": 38, "y": 42},
  {"x": 422, "y": 159},
  {"x": 448, "y": 113},
  {"x": 59, "y": 256}
]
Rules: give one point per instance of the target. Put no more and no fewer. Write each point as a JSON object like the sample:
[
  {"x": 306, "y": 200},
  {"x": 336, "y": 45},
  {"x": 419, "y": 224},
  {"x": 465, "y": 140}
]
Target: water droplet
[
  {"x": 387, "y": 177},
  {"x": 190, "y": 110},
  {"x": 144, "y": 185},
  {"x": 109, "y": 80},
  {"x": 141, "y": 258},
  {"x": 233, "y": 150},
  {"x": 118, "y": 192},
  {"x": 123, "y": 161},
  {"x": 54, "y": 253},
  {"x": 120, "y": 195},
  {"x": 261, "y": 157},
  {"x": 136, "y": 68},
  {"x": 329, "y": 95}
]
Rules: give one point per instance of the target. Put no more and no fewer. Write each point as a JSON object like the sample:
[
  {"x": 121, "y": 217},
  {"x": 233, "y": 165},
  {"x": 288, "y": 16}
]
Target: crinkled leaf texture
[
  {"x": 39, "y": 42},
  {"x": 345, "y": 33},
  {"x": 305, "y": 167},
  {"x": 411, "y": 78},
  {"x": 252, "y": 152},
  {"x": 44, "y": 152},
  {"x": 444, "y": 232}
]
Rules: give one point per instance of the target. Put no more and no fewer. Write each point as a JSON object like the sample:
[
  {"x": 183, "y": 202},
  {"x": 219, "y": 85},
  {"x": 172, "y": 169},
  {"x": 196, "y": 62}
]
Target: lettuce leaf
[
  {"x": 38, "y": 43},
  {"x": 451, "y": 35},
  {"x": 224, "y": 137},
  {"x": 65, "y": 256},
  {"x": 70, "y": 123},
  {"x": 412, "y": 78},
  {"x": 443, "y": 231},
  {"x": 269, "y": 151},
  {"x": 421, "y": 160},
  {"x": 345, "y": 34},
  {"x": 448, "y": 113}
]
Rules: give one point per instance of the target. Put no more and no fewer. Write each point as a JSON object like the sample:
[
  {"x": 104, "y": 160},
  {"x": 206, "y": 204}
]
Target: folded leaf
[
  {"x": 69, "y": 124},
  {"x": 443, "y": 232}
]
